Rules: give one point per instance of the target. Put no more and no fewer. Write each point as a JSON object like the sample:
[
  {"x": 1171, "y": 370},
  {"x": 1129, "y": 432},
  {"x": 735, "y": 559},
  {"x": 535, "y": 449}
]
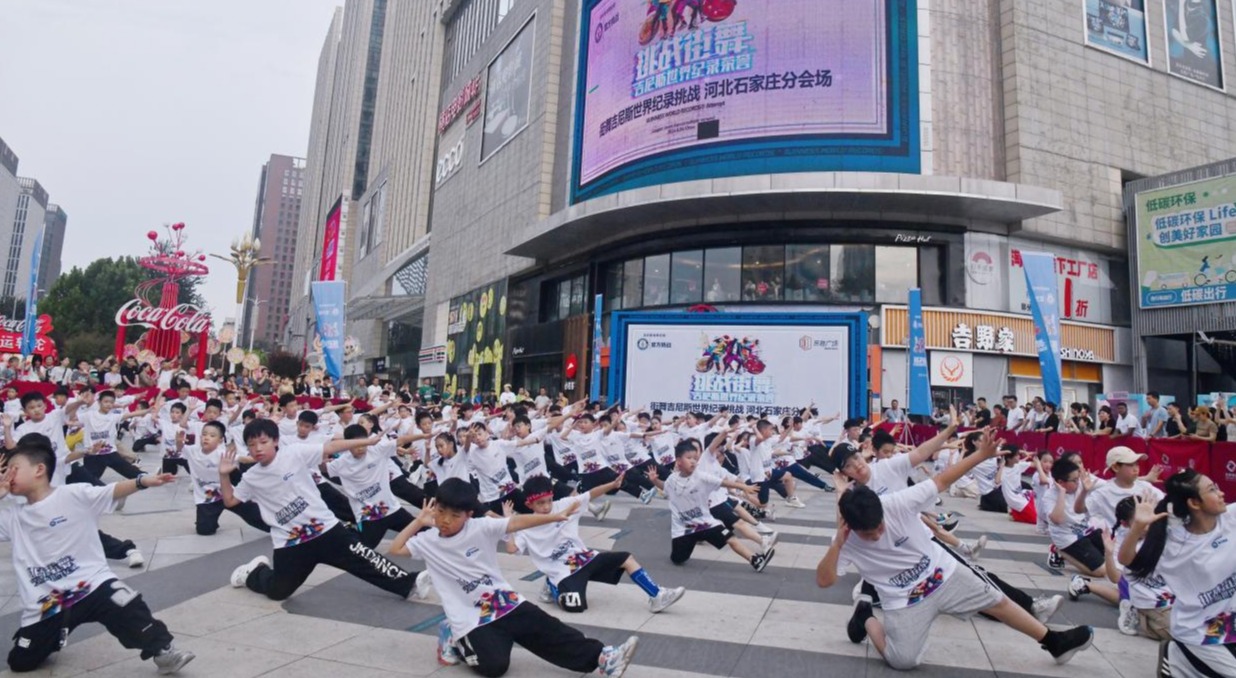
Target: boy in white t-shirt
[
  {"x": 1020, "y": 501},
  {"x": 365, "y": 474},
  {"x": 305, "y": 533},
  {"x": 203, "y": 459},
  {"x": 884, "y": 538},
  {"x": 62, "y": 578},
  {"x": 568, "y": 564},
  {"x": 485, "y": 617}
]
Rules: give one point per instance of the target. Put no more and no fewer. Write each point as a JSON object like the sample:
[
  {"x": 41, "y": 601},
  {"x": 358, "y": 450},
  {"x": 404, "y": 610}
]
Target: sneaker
[
  {"x": 973, "y": 550},
  {"x": 171, "y": 660},
  {"x": 828, "y": 487},
  {"x": 135, "y": 558},
  {"x": 546, "y": 595},
  {"x": 665, "y": 598},
  {"x": 422, "y": 587},
  {"x": 939, "y": 501},
  {"x": 770, "y": 513},
  {"x": 1045, "y": 607},
  {"x": 1055, "y": 561},
  {"x": 241, "y": 574},
  {"x": 1128, "y": 621},
  {"x": 599, "y": 512},
  {"x": 856, "y": 629},
  {"x": 795, "y": 502},
  {"x": 646, "y": 496},
  {"x": 760, "y": 561},
  {"x": 1163, "y": 669},
  {"x": 1078, "y": 587},
  {"x": 947, "y": 520},
  {"x": 447, "y": 655},
  {"x": 857, "y": 594},
  {"x": 763, "y": 529},
  {"x": 768, "y": 541},
  {"x": 616, "y": 658},
  {"x": 1064, "y": 644}
]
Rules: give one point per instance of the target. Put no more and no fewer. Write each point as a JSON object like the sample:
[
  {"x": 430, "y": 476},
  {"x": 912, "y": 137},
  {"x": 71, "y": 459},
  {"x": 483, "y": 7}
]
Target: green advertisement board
[{"x": 1186, "y": 243}]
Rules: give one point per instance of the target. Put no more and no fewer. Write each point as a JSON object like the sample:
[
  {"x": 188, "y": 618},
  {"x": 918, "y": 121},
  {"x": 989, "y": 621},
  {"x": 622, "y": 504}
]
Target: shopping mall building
[{"x": 809, "y": 155}]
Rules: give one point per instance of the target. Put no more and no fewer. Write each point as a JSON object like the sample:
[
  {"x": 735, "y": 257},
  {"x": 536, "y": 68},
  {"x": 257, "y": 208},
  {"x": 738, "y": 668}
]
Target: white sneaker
[
  {"x": 616, "y": 658},
  {"x": 422, "y": 587},
  {"x": 1128, "y": 621},
  {"x": 447, "y": 655},
  {"x": 546, "y": 595},
  {"x": 1078, "y": 586},
  {"x": 599, "y": 512},
  {"x": 1046, "y": 606},
  {"x": 770, "y": 512},
  {"x": 135, "y": 558},
  {"x": 647, "y": 495},
  {"x": 795, "y": 502},
  {"x": 171, "y": 660},
  {"x": 768, "y": 542},
  {"x": 665, "y": 598},
  {"x": 240, "y": 574},
  {"x": 763, "y": 529},
  {"x": 857, "y": 592},
  {"x": 973, "y": 550}
]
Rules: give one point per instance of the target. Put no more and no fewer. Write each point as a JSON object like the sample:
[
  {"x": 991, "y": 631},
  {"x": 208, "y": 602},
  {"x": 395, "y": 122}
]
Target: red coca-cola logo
[{"x": 182, "y": 318}]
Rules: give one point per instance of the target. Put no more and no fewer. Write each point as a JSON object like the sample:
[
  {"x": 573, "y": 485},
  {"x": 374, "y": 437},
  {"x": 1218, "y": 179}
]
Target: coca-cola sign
[
  {"x": 182, "y": 318},
  {"x": 19, "y": 326}
]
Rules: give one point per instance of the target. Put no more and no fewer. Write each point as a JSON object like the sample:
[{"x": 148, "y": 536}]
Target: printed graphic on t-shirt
[
  {"x": 303, "y": 533},
  {"x": 1220, "y": 630},
  {"x": 57, "y": 601},
  {"x": 694, "y": 520},
  {"x": 1164, "y": 599},
  {"x": 371, "y": 512},
  {"x": 590, "y": 466},
  {"x": 212, "y": 495},
  {"x": 926, "y": 587},
  {"x": 568, "y": 458},
  {"x": 579, "y": 559},
  {"x": 496, "y": 604}
]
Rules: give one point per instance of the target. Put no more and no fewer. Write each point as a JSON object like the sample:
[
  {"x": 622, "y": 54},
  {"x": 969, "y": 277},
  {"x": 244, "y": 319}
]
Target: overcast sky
[{"x": 137, "y": 113}]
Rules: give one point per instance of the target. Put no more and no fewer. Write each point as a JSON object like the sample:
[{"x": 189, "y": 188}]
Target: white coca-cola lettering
[
  {"x": 11, "y": 325},
  {"x": 182, "y": 318}
]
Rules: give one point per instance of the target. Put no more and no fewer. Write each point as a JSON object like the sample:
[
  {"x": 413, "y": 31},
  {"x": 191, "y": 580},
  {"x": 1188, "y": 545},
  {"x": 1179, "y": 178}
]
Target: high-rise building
[
  {"x": 274, "y": 223},
  {"x": 10, "y": 189},
  {"x": 55, "y": 223},
  {"x": 21, "y": 232}
]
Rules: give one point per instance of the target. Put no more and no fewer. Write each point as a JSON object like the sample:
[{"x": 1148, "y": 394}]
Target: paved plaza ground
[{"x": 732, "y": 622}]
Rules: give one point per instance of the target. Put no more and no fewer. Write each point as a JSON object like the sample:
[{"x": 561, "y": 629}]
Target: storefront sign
[
  {"x": 432, "y": 355},
  {"x": 182, "y": 318},
  {"x": 12, "y": 336},
  {"x": 451, "y": 159},
  {"x": 1082, "y": 280},
  {"x": 572, "y": 366},
  {"x": 467, "y": 95},
  {"x": 997, "y": 333},
  {"x": 949, "y": 368}
]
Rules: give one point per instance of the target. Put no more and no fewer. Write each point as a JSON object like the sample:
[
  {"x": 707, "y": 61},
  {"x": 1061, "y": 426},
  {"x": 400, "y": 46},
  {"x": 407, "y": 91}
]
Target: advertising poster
[
  {"x": 748, "y": 369},
  {"x": 1119, "y": 27},
  {"x": 683, "y": 89},
  {"x": 330, "y": 242},
  {"x": 508, "y": 92},
  {"x": 1186, "y": 243},
  {"x": 475, "y": 350},
  {"x": 30, "y": 335},
  {"x": 1193, "y": 41}
]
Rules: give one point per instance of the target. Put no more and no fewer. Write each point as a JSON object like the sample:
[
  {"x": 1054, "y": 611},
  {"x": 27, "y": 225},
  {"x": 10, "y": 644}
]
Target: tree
[
  {"x": 83, "y": 304},
  {"x": 284, "y": 364}
]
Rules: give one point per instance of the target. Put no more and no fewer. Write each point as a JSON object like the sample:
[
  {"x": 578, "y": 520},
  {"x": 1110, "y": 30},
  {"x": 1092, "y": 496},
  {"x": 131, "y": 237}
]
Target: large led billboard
[{"x": 674, "y": 90}]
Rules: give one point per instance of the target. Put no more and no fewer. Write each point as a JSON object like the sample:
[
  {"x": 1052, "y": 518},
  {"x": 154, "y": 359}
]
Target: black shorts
[
  {"x": 606, "y": 568},
  {"x": 1088, "y": 550},
  {"x": 682, "y": 547},
  {"x": 725, "y": 513}
]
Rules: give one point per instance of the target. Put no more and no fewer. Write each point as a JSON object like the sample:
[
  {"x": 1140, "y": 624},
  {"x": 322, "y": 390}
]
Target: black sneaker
[
  {"x": 1055, "y": 561},
  {"x": 1163, "y": 669},
  {"x": 857, "y": 628},
  {"x": 1064, "y": 644},
  {"x": 760, "y": 560}
]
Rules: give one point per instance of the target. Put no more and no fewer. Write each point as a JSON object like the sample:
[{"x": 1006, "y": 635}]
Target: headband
[{"x": 537, "y": 497}]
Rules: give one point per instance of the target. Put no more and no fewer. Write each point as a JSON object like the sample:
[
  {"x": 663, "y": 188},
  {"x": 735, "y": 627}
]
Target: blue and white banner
[
  {"x": 1044, "y": 293},
  {"x": 29, "y": 337},
  {"x": 594, "y": 385},
  {"x": 919, "y": 383},
  {"x": 328, "y": 301}
]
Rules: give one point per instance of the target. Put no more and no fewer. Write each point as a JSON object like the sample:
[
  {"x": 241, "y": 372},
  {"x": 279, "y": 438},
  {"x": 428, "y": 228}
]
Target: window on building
[
  {"x": 723, "y": 275},
  {"x": 613, "y": 288},
  {"x": 896, "y": 272},
  {"x": 564, "y": 301},
  {"x": 687, "y": 271},
  {"x": 763, "y": 272},
  {"x": 579, "y": 291},
  {"x": 853, "y": 273},
  {"x": 656, "y": 280},
  {"x": 931, "y": 275},
  {"x": 633, "y": 283},
  {"x": 806, "y": 273}
]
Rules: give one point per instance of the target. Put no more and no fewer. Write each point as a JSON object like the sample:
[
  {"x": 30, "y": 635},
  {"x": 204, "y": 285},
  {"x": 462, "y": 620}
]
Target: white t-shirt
[
  {"x": 51, "y": 426},
  {"x": 367, "y": 481},
  {"x": 1149, "y": 593},
  {"x": 530, "y": 459},
  {"x": 444, "y": 469},
  {"x": 663, "y": 448},
  {"x": 506, "y": 398},
  {"x": 168, "y": 431},
  {"x": 1010, "y": 485},
  {"x": 614, "y": 446},
  {"x": 541, "y": 402},
  {"x": 204, "y": 469},
  {"x": 587, "y": 449},
  {"x": 287, "y": 495},
  {"x": 890, "y": 475},
  {"x": 99, "y": 428},
  {"x": 465, "y": 573},
  {"x": 1075, "y": 524},
  {"x": 689, "y": 502},
  {"x": 556, "y": 549},
  {"x": 1199, "y": 569},
  {"x": 1127, "y": 425},
  {"x": 1015, "y": 418},
  {"x": 56, "y": 549},
  {"x": 904, "y": 564},
  {"x": 1101, "y": 502},
  {"x": 985, "y": 475},
  {"x": 489, "y": 465}
]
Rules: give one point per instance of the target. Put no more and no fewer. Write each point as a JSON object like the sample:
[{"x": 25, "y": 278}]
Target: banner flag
[
  {"x": 1041, "y": 283},
  {"x": 919, "y": 383},
  {"x": 328, "y": 302}
]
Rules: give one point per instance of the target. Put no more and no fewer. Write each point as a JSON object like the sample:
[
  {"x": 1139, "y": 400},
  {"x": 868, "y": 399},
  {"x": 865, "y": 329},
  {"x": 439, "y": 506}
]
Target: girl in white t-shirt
[{"x": 1020, "y": 501}]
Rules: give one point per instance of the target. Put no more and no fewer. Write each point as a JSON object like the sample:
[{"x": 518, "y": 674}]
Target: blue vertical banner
[
  {"x": 919, "y": 383},
  {"x": 1044, "y": 295},
  {"x": 594, "y": 384},
  {"x": 29, "y": 337},
  {"x": 328, "y": 300}
]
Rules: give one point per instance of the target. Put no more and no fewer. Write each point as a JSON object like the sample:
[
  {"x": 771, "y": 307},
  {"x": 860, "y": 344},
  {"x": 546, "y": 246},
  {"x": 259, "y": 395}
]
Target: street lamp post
[{"x": 245, "y": 256}]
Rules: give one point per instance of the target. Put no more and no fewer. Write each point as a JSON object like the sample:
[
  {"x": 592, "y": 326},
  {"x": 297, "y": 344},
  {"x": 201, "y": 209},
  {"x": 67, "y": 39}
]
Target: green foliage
[{"x": 83, "y": 304}]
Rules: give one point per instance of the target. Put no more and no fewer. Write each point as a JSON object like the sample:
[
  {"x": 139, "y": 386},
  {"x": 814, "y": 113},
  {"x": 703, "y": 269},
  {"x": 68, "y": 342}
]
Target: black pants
[
  {"x": 557, "y": 471},
  {"x": 98, "y": 463},
  {"x": 405, "y": 490},
  {"x": 682, "y": 547},
  {"x": 487, "y": 649},
  {"x": 208, "y": 516},
  {"x": 117, "y": 607},
  {"x": 817, "y": 456},
  {"x": 516, "y": 498},
  {"x": 636, "y": 481},
  {"x": 336, "y": 501},
  {"x": 78, "y": 473},
  {"x": 173, "y": 464},
  {"x": 115, "y": 549},
  {"x": 372, "y": 531},
  {"x": 587, "y": 481},
  {"x": 994, "y": 502},
  {"x": 141, "y": 444},
  {"x": 338, "y": 547}
]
